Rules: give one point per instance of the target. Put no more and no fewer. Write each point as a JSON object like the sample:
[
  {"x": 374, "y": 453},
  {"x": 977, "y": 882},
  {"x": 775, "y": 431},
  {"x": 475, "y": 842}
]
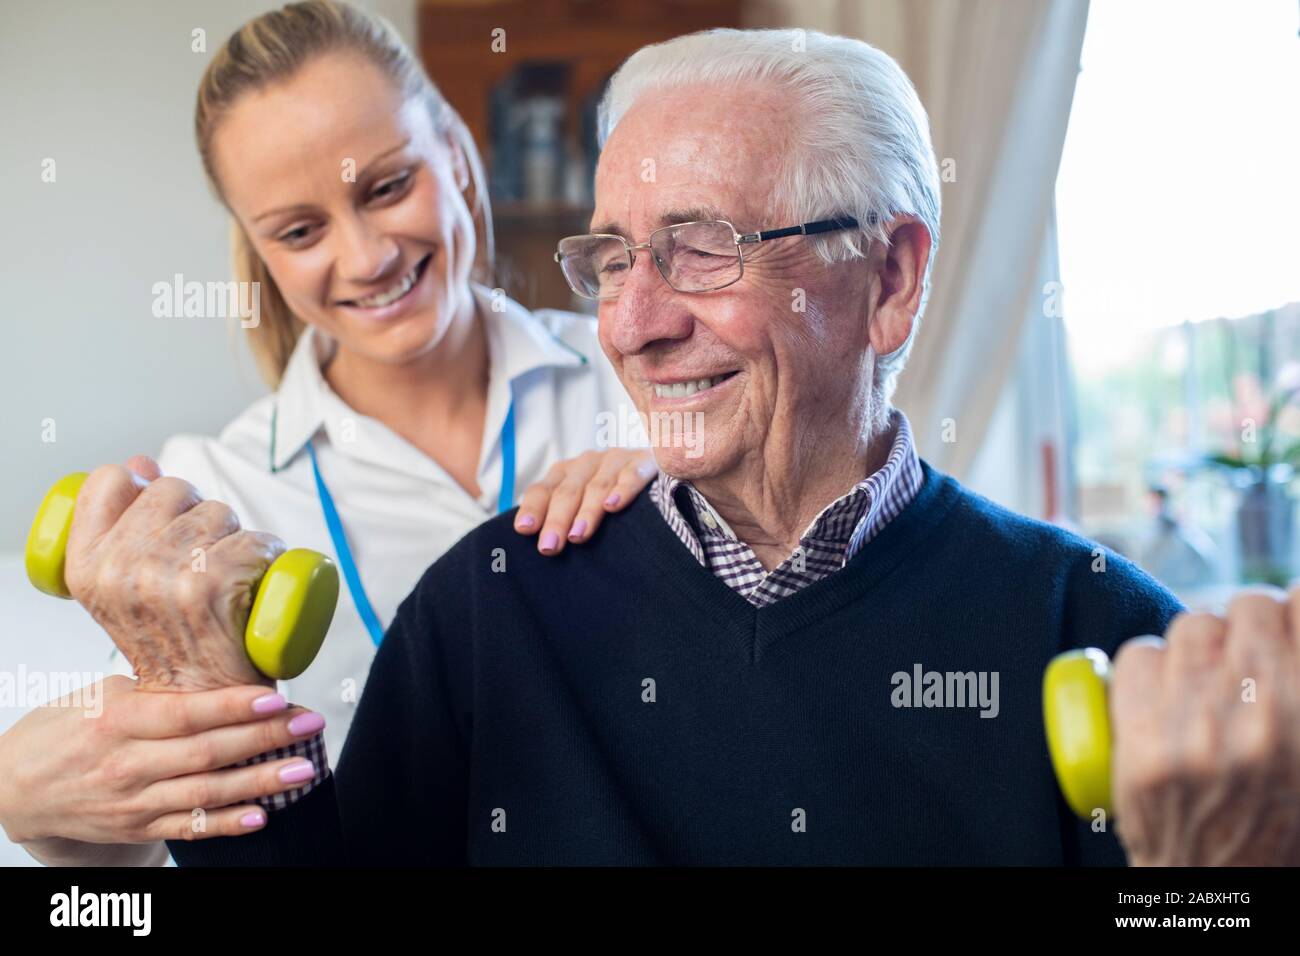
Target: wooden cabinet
[{"x": 542, "y": 64}]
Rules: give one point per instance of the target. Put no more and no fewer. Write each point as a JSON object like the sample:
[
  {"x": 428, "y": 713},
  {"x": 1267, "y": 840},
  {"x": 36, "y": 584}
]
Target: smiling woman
[
  {"x": 342, "y": 250},
  {"x": 410, "y": 401},
  {"x": 358, "y": 148}
]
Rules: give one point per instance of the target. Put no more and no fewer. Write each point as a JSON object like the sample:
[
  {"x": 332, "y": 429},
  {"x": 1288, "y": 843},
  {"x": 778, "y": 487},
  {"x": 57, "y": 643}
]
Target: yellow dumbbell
[
  {"x": 291, "y": 612},
  {"x": 1076, "y": 688}
]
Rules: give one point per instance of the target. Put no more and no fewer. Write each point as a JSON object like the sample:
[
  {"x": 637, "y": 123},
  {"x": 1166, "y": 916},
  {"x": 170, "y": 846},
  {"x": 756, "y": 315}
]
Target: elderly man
[{"x": 737, "y": 670}]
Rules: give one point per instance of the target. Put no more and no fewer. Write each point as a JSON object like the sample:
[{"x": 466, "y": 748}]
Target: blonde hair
[{"x": 270, "y": 49}]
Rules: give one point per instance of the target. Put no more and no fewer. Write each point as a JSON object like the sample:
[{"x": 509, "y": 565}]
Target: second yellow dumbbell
[
  {"x": 291, "y": 612},
  {"x": 1076, "y": 695}
]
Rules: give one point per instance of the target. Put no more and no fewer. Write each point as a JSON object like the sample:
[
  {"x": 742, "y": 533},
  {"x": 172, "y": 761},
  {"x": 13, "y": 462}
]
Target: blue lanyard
[{"x": 505, "y": 501}]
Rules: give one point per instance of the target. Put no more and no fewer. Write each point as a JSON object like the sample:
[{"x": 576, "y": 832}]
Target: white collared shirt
[{"x": 399, "y": 508}]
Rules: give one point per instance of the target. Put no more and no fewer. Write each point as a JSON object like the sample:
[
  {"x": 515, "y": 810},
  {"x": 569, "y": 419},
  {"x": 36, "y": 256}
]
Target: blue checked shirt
[{"x": 838, "y": 533}]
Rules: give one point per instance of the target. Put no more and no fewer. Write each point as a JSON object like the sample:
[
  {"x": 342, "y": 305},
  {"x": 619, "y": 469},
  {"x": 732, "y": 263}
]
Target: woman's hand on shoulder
[{"x": 569, "y": 504}]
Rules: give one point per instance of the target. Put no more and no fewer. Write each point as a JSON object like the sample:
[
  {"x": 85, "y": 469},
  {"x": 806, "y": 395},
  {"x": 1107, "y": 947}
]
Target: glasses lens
[
  {"x": 595, "y": 266},
  {"x": 697, "y": 256}
]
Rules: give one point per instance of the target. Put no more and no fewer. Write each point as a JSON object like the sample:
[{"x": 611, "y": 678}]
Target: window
[{"x": 1178, "y": 212}]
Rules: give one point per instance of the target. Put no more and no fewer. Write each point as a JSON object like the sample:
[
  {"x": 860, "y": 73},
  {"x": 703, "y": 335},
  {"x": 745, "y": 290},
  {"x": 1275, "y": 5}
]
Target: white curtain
[{"x": 997, "y": 78}]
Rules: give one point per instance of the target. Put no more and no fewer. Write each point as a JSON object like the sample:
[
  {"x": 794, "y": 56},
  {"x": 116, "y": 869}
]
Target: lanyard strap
[
  {"x": 350, "y": 574},
  {"x": 505, "y": 501}
]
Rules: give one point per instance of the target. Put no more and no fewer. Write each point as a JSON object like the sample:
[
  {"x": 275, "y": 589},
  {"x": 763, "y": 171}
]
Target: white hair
[{"x": 860, "y": 145}]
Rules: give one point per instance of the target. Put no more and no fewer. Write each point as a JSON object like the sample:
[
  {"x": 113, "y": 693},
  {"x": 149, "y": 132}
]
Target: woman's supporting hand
[
  {"x": 574, "y": 497},
  {"x": 113, "y": 764}
]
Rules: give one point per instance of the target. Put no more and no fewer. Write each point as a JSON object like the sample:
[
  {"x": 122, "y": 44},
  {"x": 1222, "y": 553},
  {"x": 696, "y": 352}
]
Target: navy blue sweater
[{"x": 621, "y": 705}]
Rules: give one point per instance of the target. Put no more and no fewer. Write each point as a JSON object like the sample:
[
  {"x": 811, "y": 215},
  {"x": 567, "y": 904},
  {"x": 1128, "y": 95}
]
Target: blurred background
[{"x": 1113, "y": 339}]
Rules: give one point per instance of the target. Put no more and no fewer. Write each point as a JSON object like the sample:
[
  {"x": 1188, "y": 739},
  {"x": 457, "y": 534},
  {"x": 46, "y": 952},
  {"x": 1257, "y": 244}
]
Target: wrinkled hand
[
  {"x": 1207, "y": 737},
  {"x": 574, "y": 497},
  {"x": 169, "y": 576}
]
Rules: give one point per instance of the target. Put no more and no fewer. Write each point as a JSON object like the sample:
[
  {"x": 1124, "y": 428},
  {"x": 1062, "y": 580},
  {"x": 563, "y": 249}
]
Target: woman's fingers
[
  {"x": 581, "y": 523},
  {"x": 153, "y": 715},
  {"x": 226, "y": 822},
  {"x": 621, "y": 477},
  {"x": 534, "y": 501},
  {"x": 187, "y": 746},
  {"x": 635, "y": 474},
  {"x": 220, "y": 803},
  {"x": 574, "y": 509},
  {"x": 573, "y": 499},
  {"x": 108, "y": 771},
  {"x": 553, "y": 502},
  {"x": 224, "y": 746},
  {"x": 561, "y": 511},
  {"x": 193, "y": 805}
]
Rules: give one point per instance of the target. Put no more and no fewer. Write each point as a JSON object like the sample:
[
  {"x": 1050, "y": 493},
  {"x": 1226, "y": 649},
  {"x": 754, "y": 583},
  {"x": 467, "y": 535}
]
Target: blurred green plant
[
  {"x": 1265, "y": 456},
  {"x": 1264, "y": 439}
]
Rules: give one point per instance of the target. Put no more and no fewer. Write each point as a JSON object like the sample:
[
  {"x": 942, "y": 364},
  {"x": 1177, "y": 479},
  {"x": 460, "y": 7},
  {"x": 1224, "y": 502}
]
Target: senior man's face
[{"x": 785, "y": 347}]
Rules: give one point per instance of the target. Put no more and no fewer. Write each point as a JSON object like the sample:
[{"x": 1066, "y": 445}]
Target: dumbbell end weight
[
  {"x": 1076, "y": 689},
  {"x": 291, "y": 613},
  {"x": 47, "y": 542}
]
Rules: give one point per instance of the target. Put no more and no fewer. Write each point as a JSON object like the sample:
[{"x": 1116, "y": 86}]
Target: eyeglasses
[{"x": 700, "y": 256}]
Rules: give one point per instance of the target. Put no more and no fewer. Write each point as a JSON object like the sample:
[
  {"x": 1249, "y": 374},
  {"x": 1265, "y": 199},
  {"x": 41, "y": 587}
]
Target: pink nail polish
[
  {"x": 526, "y": 522},
  {"x": 578, "y": 530},
  {"x": 550, "y": 541},
  {"x": 613, "y": 500},
  {"x": 305, "y": 724},
  {"x": 254, "y": 819},
  {"x": 269, "y": 704},
  {"x": 298, "y": 772}
]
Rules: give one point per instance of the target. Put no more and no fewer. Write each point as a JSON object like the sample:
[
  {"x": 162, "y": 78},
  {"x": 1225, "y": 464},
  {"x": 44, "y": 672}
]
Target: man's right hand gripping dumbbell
[
  {"x": 183, "y": 577},
  {"x": 75, "y": 790}
]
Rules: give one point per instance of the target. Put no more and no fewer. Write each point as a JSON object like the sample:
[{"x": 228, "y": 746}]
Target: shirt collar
[
  {"x": 518, "y": 344},
  {"x": 299, "y": 411},
  {"x": 845, "y": 523}
]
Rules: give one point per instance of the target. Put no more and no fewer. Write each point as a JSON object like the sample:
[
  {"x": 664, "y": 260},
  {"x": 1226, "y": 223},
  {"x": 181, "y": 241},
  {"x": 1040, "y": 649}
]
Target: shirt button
[{"x": 708, "y": 520}]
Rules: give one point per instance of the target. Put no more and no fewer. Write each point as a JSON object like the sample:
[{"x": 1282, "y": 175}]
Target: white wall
[{"x": 107, "y": 91}]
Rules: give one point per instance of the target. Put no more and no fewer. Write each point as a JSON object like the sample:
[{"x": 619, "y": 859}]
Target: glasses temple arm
[{"x": 808, "y": 229}]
